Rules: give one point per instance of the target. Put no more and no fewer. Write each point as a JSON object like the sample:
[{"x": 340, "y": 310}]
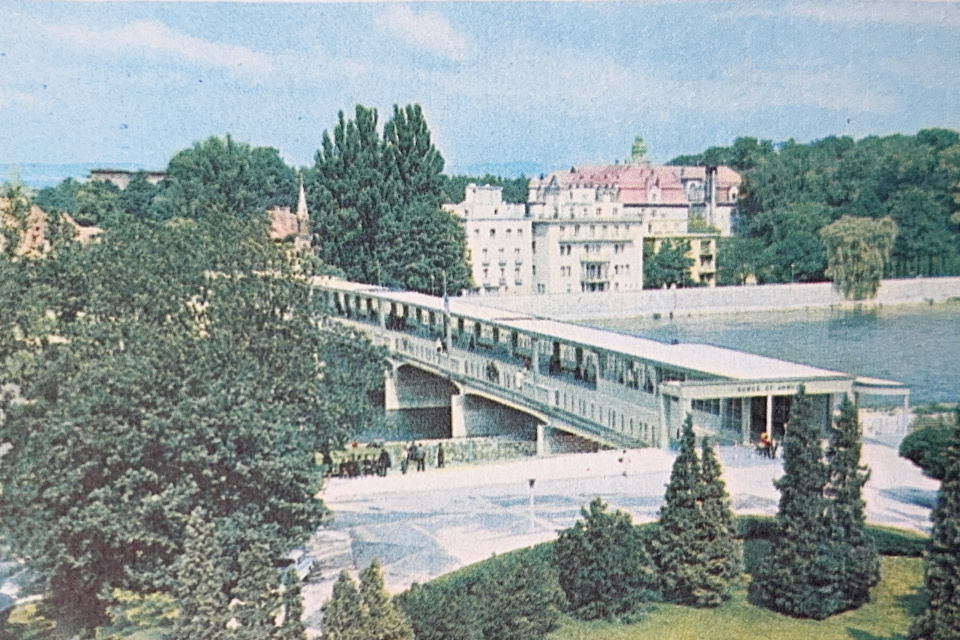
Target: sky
[{"x": 506, "y": 87}]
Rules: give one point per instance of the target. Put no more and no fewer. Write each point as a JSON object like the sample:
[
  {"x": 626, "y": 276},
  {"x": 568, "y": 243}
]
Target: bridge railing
[{"x": 622, "y": 418}]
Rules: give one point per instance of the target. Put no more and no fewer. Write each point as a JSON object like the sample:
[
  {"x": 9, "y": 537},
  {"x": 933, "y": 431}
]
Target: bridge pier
[
  {"x": 458, "y": 418},
  {"x": 391, "y": 399},
  {"x": 541, "y": 440}
]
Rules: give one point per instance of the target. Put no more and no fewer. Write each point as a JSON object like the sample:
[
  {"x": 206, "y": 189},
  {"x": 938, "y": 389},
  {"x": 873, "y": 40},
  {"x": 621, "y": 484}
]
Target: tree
[
  {"x": 384, "y": 620},
  {"x": 137, "y": 198},
  {"x": 256, "y": 601},
  {"x": 603, "y": 566},
  {"x": 940, "y": 620},
  {"x": 343, "y": 614},
  {"x": 667, "y": 267},
  {"x": 693, "y": 546},
  {"x": 364, "y": 614},
  {"x": 794, "y": 576},
  {"x": 192, "y": 374},
  {"x": 220, "y": 174},
  {"x": 857, "y": 250},
  {"x": 291, "y": 628},
  {"x": 376, "y": 204},
  {"x": 856, "y": 566},
  {"x": 139, "y": 617},
  {"x": 722, "y": 551},
  {"x": 927, "y": 447},
  {"x": 202, "y": 611},
  {"x": 638, "y": 151}
]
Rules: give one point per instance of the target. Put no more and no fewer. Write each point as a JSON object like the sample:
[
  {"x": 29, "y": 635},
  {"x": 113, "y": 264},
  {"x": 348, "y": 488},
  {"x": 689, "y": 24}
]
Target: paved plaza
[{"x": 422, "y": 525}]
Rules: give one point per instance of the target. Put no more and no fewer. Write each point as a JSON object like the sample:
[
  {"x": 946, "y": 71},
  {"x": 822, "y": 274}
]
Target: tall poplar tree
[
  {"x": 201, "y": 598},
  {"x": 941, "y": 618},
  {"x": 343, "y": 614},
  {"x": 384, "y": 620},
  {"x": 794, "y": 578},
  {"x": 856, "y": 565}
]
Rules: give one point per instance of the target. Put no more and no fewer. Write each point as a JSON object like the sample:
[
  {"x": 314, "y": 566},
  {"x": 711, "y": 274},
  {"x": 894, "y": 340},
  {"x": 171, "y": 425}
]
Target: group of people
[
  {"x": 359, "y": 465},
  {"x": 417, "y": 456}
]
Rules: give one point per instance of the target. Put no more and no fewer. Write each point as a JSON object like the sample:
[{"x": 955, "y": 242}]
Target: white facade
[{"x": 498, "y": 240}]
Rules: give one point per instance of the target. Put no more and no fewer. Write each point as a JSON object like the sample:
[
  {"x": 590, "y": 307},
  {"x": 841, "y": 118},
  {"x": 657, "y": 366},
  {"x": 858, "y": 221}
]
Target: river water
[{"x": 918, "y": 345}]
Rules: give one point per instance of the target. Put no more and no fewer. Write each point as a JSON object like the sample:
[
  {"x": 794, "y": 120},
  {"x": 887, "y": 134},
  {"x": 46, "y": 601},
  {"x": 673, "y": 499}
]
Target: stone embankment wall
[{"x": 697, "y": 301}]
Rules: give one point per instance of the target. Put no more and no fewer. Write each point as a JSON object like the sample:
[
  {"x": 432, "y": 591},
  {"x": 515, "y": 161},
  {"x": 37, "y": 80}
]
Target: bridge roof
[{"x": 693, "y": 357}]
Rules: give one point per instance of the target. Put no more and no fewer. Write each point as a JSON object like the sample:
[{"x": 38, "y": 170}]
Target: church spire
[{"x": 303, "y": 218}]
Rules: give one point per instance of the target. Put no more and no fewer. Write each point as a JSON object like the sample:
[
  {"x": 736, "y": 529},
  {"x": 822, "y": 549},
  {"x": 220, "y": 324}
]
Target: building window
[
  {"x": 534, "y": 269},
  {"x": 519, "y": 233},
  {"x": 476, "y": 233},
  {"x": 516, "y": 254},
  {"x": 509, "y": 233},
  {"x": 599, "y": 212},
  {"x": 541, "y": 288},
  {"x": 576, "y": 229},
  {"x": 493, "y": 233},
  {"x": 484, "y": 254},
  {"x": 533, "y": 246}
]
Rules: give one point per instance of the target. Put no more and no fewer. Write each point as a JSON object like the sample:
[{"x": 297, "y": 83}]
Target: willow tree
[{"x": 857, "y": 250}]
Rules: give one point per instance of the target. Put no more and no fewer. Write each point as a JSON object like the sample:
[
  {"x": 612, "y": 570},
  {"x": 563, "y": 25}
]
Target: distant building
[
  {"x": 498, "y": 239},
  {"x": 33, "y": 240},
  {"x": 285, "y": 224},
  {"x": 590, "y": 222},
  {"x": 122, "y": 177}
]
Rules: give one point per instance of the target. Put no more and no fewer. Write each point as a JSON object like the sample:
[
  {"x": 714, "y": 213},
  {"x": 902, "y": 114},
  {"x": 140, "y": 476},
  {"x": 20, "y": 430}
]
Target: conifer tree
[
  {"x": 602, "y": 564},
  {"x": 856, "y": 565},
  {"x": 203, "y": 612},
  {"x": 722, "y": 551},
  {"x": 256, "y": 598},
  {"x": 794, "y": 578},
  {"x": 292, "y": 627},
  {"x": 384, "y": 621},
  {"x": 941, "y": 619},
  {"x": 343, "y": 614},
  {"x": 675, "y": 548}
]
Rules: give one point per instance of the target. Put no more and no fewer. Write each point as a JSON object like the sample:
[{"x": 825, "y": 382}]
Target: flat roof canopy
[{"x": 700, "y": 358}]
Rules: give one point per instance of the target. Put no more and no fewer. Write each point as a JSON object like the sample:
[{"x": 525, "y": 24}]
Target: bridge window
[{"x": 707, "y": 406}]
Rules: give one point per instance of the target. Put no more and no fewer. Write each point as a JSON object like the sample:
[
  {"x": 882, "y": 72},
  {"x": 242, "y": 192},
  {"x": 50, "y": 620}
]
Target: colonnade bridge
[{"x": 610, "y": 388}]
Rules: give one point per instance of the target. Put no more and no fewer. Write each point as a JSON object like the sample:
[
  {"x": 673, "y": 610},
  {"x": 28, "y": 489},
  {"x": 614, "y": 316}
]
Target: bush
[
  {"x": 514, "y": 596},
  {"x": 927, "y": 448},
  {"x": 889, "y": 541}
]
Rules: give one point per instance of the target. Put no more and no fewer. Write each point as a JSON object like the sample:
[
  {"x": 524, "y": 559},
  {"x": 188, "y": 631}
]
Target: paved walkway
[{"x": 423, "y": 525}]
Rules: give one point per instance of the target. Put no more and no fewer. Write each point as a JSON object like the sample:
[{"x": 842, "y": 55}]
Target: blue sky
[{"x": 504, "y": 85}]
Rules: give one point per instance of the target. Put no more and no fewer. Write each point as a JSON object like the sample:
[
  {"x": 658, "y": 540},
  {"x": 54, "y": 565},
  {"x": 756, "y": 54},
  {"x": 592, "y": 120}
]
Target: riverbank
[{"x": 673, "y": 303}]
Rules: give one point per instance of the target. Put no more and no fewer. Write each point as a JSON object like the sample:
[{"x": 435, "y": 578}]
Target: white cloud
[
  {"x": 428, "y": 32},
  {"x": 156, "y": 38}
]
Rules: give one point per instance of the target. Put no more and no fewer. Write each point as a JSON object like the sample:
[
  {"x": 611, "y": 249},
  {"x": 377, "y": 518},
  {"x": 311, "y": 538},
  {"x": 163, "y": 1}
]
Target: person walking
[
  {"x": 440, "y": 456},
  {"x": 383, "y": 463}
]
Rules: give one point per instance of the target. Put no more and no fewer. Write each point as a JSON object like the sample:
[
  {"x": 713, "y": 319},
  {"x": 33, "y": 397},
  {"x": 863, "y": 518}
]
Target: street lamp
[{"x": 531, "y": 481}]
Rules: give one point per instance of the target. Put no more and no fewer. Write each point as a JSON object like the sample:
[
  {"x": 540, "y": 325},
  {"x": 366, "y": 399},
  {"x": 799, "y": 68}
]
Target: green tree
[
  {"x": 668, "y": 266},
  {"x": 257, "y": 597},
  {"x": 603, "y": 566},
  {"x": 927, "y": 447},
  {"x": 940, "y": 620},
  {"x": 856, "y": 566},
  {"x": 139, "y": 617},
  {"x": 220, "y": 174},
  {"x": 376, "y": 204},
  {"x": 693, "y": 546},
  {"x": 795, "y": 577},
  {"x": 137, "y": 198},
  {"x": 384, "y": 621},
  {"x": 202, "y": 611},
  {"x": 191, "y": 373},
  {"x": 722, "y": 551},
  {"x": 292, "y": 627},
  {"x": 519, "y": 599},
  {"x": 515, "y": 190},
  {"x": 857, "y": 250},
  {"x": 344, "y": 617}
]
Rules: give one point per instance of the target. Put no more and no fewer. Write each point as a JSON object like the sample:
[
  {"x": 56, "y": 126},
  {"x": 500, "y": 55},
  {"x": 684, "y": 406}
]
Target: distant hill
[{"x": 38, "y": 176}]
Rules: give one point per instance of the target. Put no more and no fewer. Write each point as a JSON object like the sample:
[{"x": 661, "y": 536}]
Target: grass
[{"x": 895, "y": 601}]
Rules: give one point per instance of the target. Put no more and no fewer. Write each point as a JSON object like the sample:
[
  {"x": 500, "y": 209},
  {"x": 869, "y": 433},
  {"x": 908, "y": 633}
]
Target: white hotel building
[{"x": 584, "y": 229}]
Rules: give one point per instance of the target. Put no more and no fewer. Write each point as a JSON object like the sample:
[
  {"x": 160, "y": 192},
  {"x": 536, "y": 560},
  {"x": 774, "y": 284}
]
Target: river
[{"x": 918, "y": 345}]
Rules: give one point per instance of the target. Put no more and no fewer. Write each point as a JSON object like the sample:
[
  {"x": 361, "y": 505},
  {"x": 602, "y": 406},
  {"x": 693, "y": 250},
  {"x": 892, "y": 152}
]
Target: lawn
[{"x": 886, "y": 617}]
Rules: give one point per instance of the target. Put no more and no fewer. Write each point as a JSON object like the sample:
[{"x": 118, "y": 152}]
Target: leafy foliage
[
  {"x": 857, "y": 250},
  {"x": 376, "y": 204},
  {"x": 941, "y": 618},
  {"x": 670, "y": 265},
  {"x": 365, "y": 614},
  {"x": 187, "y": 372},
  {"x": 515, "y": 190},
  {"x": 514, "y": 596},
  {"x": 603, "y": 565},
  {"x": 792, "y": 190},
  {"x": 927, "y": 447}
]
